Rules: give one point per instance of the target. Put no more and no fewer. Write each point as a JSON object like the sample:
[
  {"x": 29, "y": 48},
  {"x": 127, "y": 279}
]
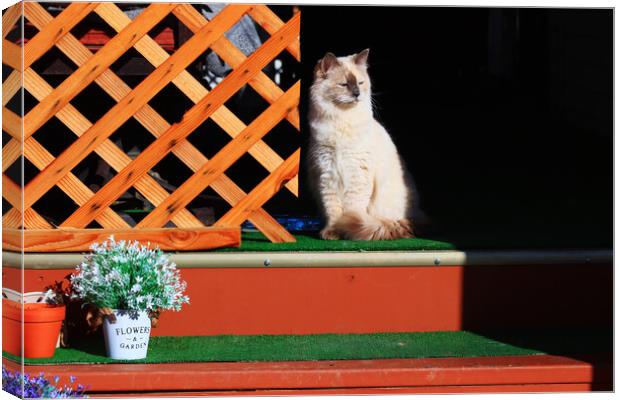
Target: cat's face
[{"x": 343, "y": 81}]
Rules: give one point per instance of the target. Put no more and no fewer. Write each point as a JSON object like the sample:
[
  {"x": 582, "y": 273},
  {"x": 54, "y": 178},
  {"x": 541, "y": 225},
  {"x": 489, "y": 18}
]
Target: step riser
[{"x": 378, "y": 299}]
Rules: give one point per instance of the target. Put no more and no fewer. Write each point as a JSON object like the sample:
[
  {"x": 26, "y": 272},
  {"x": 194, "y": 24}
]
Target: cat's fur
[{"x": 355, "y": 167}]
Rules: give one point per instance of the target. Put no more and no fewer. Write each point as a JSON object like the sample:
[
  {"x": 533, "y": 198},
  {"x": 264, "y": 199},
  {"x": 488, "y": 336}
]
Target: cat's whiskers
[{"x": 373, "y": 103}]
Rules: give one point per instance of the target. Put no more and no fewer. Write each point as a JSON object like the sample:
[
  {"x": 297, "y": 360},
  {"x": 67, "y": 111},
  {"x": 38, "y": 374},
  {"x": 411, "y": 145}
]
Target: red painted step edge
[
  {"x": 538, "y": 388},
  {"x": 427, "y": 372}
]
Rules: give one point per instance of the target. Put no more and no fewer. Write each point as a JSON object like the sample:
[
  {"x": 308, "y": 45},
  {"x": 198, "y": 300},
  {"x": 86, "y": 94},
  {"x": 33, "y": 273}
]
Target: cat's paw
[
  {"x": 401, "y": 229},
  {"x": 329, "y": 233},
  {"x": 406, "y": 228}
]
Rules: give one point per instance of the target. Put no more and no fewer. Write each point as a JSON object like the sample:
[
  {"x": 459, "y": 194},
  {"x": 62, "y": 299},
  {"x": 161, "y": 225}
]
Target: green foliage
[{"x": 128, "y": 276}]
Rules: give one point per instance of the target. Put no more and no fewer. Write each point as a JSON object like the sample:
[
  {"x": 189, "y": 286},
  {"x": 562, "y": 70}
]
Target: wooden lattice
[{"x": 189, "y": 232}]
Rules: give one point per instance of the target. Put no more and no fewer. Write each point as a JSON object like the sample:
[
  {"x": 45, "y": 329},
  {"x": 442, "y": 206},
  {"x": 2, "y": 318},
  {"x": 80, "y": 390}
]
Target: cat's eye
[
  {"x": 342, "y": 84},
  {"x": 360, "y": 82}
]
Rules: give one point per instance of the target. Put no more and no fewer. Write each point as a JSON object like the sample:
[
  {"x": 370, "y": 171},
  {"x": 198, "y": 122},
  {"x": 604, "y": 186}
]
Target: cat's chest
[
  {"x": 347, "y": 126},
  {"x": 341, "y": 154},
  {"x": 341, "y": 148},
  {"x": 342, "y": 134}
]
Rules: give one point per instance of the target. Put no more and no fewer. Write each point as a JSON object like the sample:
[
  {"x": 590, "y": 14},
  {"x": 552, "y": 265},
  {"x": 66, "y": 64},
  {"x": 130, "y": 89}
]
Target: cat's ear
[
  {"x": 328, "y": 62},
  {"x": 361, "y": 58}
]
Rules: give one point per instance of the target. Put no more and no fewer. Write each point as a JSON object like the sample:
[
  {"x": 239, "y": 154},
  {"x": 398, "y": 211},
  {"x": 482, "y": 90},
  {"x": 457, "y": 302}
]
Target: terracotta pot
[{"x": 41, "y": 324}]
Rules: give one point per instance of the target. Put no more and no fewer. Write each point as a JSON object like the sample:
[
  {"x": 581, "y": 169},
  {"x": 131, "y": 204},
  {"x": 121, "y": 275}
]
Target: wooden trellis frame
[{"x": 190, "y": 233}]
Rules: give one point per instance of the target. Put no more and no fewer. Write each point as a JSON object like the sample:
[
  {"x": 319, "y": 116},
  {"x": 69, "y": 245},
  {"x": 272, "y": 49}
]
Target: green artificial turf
[
  {"x": 256, "y": 241},
  {"x": 342, "y": 347}
]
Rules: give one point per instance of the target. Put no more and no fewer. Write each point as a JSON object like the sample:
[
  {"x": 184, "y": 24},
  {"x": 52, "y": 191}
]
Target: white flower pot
[{"x": 127, "y": 338}]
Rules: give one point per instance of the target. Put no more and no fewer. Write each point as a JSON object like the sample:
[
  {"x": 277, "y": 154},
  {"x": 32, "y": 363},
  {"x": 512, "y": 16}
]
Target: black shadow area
[
  {"x": 502, "y": 115},
  {"x": 504, "y": 118}
]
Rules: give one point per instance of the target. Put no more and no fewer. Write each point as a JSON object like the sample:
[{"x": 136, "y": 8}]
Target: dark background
[{"x": 503, "y": 116}]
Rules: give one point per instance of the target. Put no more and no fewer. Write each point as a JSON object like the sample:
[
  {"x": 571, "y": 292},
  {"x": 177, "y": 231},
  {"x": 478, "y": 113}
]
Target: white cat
[{"x": 355, "y": 166}]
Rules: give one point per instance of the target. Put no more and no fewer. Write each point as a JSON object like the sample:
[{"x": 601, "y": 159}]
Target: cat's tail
[{"x": 355, "y": 226}]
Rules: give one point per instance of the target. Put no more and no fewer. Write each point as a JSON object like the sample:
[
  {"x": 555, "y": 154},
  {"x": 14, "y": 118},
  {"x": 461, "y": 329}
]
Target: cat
[{"x": 354, "y": 165}]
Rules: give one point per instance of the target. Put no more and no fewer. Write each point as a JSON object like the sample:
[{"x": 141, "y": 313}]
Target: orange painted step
[
  {"x": 252, "y": 301},
  {"x": 539, "y": 388},
  {"x": 517, "y": 373}
]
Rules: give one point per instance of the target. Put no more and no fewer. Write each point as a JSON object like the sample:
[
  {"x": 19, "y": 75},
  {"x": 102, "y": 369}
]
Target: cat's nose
[{"x": 355, "y": 92}]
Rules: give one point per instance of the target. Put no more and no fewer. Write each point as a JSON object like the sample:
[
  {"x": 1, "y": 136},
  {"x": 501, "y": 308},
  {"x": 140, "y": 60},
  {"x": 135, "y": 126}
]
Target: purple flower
[{"x": 38, "y": 387}]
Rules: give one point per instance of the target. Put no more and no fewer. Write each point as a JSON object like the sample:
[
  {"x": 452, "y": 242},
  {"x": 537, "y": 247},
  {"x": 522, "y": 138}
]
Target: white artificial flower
[{"x": 104, "y": 277}]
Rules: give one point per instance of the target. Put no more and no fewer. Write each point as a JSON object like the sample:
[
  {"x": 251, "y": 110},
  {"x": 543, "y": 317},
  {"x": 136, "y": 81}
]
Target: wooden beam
[
  {"x": 32, "y": 220},
  {"x": 11, "y": 55},
  {"x": 12, "y": 124},
  {"x": 66, "y": 239},
  {"x": 10, "y": 86},
  {"x": 10, "y": 153},
  {"x": 262, "y": 192},
  {"x": 12, "y": 219},
  {"x": 12, "y": 192},
  {"x": 10, "y": 18},
  {"x": 49, "y": 34},
  {"x": 270, "y": 22}
]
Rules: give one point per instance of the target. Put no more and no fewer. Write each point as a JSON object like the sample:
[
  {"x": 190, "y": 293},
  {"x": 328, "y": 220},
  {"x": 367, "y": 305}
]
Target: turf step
[
  {"x": 263, "y": 348},
  {"x": 305, "y": 241}
]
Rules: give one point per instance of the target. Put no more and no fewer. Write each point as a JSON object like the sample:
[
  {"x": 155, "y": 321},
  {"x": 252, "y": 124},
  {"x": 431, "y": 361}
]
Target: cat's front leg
[
  {"x": 332, "y": 206},
  {"x": 358, "y": 185},
  {"x": 333, "y": 211}
]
